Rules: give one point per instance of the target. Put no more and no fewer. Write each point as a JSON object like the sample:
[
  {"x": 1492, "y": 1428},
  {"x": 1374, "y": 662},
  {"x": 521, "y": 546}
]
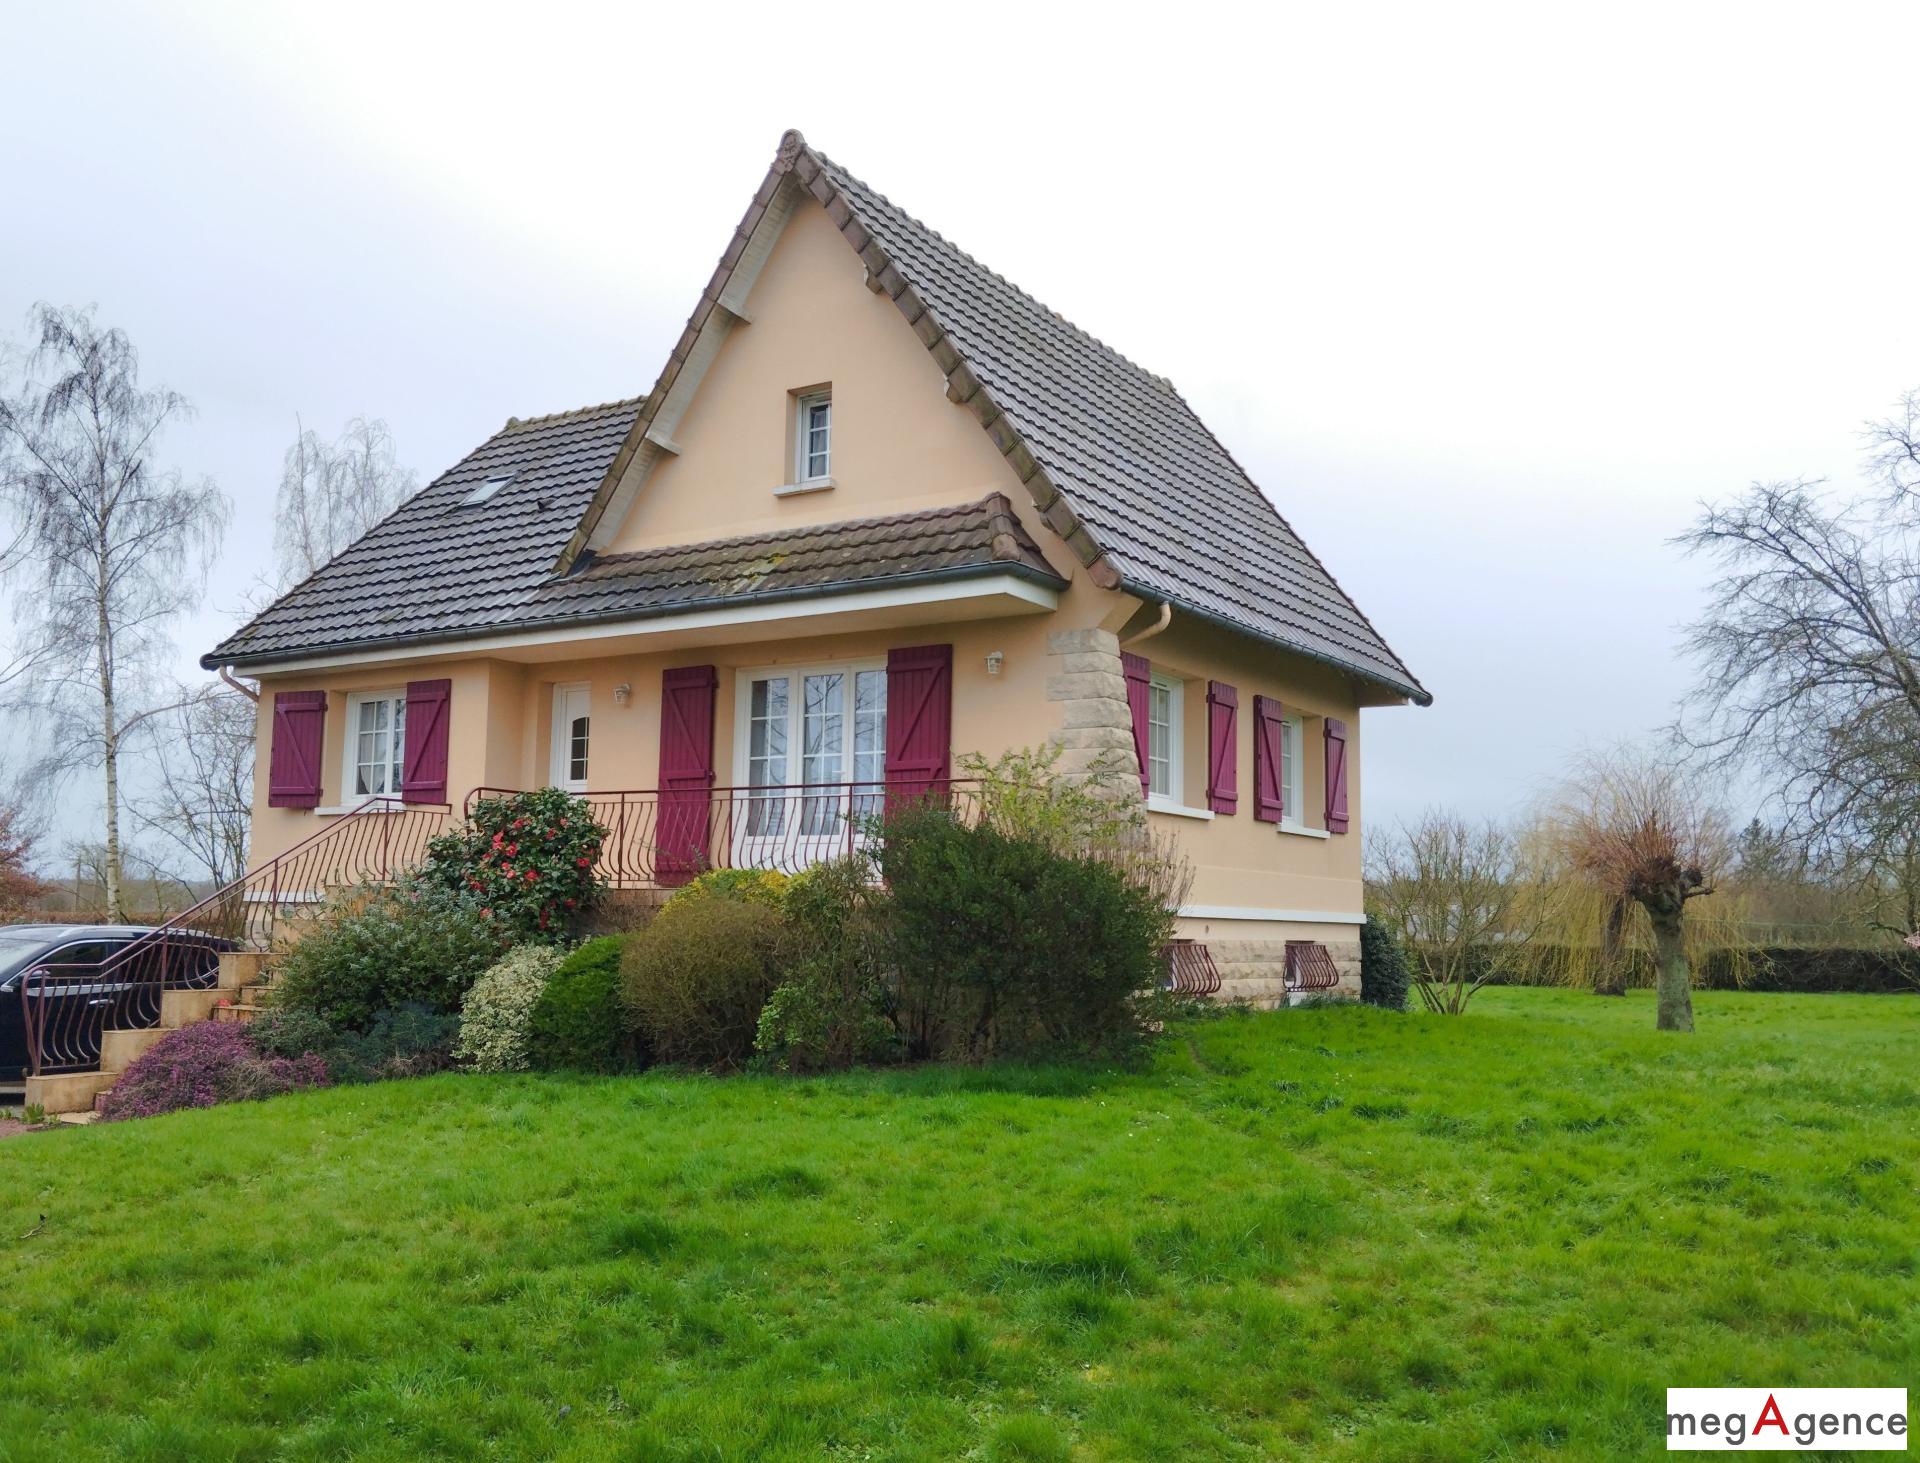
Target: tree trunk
[
  {"x": 1670, "y": 964},
  {"x": 110, "y": 748},
  {"x": 1612, "y": 977}
]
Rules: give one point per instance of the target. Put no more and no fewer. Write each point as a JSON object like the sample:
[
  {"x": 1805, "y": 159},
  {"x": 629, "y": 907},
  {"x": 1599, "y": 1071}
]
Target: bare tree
[
  {"x": 1809, "y": 651},
  {"x": 117, "y": 545},
  {"x": 19, "y": 885},
  {"x": 1462, "y": 898},
  {"x": 1642, "y": 829},
  {"x": 333, "y": 492},
  {"x": 200, "y": 800}
]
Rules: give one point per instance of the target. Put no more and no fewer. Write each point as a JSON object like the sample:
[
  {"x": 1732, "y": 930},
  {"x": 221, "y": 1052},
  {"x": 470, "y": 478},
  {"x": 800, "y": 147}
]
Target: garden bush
[
  {"x": 496, "y": 1015},
  {"x": 526, "y": 861},
  {"x": 695, "y": 979},
  {"x": 203, "y": 1064},
  {"x": 579, "y": 1023},
  {"x": 371, "y": 952},
  {"x": 412, "y": 1040},
  {"x": 830, "y": 1008},
  {"x": 1002, "y": 945},
  {"x": 1384, "y": 977},
  {"x": 762, "y": 886}
]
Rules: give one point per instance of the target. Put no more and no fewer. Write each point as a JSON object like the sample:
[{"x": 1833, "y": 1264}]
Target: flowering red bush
[
  {"x": 525, "y": 860},
  {"x": 204, "y": 1064}
]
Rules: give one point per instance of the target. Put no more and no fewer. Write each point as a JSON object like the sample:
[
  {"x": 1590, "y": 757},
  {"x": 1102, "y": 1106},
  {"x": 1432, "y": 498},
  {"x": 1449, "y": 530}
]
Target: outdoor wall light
[
  {"x": 621, "y": 692},
  {"x": 994, "y": 659}
]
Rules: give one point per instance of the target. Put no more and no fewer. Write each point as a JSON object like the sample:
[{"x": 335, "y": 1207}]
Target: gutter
[
  {"x": 217, "y": 658},
  {"x": 1412, "y": 690}
]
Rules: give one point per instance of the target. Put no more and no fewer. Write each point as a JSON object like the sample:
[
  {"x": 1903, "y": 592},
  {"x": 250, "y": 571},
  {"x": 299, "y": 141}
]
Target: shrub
[
  {"x": 411, "y": 1040},
  {"x": 761, "y": 886},
  {"x": 370, "y": 953},
  {"x": 282, "y": 1031},
  {"x": 1002, "y": 945},
  {"x": 1383, "y": 967},
  {"x": 495, "y": 1016},
  {"x": 694, "y": 981},
  {"x": 829, "y": 1009},
  {"x": 203, "y": 1064},
  {"x": 579, "y": 1024},
  {"x": 526, "y": 861}
]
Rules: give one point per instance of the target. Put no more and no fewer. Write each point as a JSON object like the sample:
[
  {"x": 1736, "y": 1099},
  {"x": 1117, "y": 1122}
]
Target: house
[{"x": 880, "y": 509}]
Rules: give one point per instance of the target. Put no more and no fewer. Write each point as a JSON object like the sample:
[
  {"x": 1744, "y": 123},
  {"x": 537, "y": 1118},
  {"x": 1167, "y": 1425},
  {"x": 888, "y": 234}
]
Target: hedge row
[{"x": 1808, "y": 970}]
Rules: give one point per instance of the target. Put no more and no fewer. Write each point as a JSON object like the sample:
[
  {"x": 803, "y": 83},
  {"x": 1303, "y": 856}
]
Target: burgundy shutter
[
  {"x": 293, "y": 759},
  {"x": 1223, "y": 746},
  {"x": 1269, "y": 732},
  {"x": 423, "y": 763},
  {"x": 1139, "y": 673},
  {"x": 686, "y": 771},
  {"x": 1336, "y": 776},
  {"x": 919, "y": 722}
]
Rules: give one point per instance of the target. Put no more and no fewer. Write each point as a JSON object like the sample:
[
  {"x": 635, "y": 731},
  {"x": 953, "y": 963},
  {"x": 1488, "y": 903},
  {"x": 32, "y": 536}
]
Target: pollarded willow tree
[
  {"x": 1809, "y": 657},
  {"x": 1642, "y": 831},
  {"x": 114, "y": 547}
]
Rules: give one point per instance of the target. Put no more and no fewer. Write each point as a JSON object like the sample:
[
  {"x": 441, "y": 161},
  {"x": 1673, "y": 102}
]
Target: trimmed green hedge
[
  {"x": 1818, "y": 969},
  {"x": 1808, "y": 970}
]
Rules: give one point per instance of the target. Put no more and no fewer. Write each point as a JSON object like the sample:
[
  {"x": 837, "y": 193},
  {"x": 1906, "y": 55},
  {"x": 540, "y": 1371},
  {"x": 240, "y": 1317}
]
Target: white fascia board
[{"x": 961, "y": 592}]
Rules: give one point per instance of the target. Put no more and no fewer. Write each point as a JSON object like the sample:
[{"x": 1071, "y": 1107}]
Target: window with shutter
[
  {"x": 1139, "y": 676},
  {"x": 426, "y": 716},
  {"x": 683, "y": 839},
  {"x": 1269, "y": 758},
  {"x": 1336, "y": 775},
  {"x": 293, "y": 757},
  {"x": 1223, "y": 747}
]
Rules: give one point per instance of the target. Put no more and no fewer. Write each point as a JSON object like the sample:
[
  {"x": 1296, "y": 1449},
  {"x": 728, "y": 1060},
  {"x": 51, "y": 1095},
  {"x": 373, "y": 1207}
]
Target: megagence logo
[{"x": 1786, "y": 1419}]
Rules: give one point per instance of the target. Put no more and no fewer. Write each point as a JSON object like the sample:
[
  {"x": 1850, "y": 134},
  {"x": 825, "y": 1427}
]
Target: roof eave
[
  {"x": 214, "y": 659},
  {"x": 1409, "y": 688}
]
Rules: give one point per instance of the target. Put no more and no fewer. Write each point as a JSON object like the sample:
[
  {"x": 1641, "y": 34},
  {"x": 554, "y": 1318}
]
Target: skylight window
[{"x": 481, "y": 492}]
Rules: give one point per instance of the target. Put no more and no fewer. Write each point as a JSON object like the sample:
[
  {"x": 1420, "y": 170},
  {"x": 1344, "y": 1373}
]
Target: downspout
[
  {"x": 1166, "y": 619},
  {"x": 226, "y": 674}
]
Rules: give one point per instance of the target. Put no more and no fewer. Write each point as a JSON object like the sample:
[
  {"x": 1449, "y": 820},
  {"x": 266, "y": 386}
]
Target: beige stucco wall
[{"x": 899, "y": 445}]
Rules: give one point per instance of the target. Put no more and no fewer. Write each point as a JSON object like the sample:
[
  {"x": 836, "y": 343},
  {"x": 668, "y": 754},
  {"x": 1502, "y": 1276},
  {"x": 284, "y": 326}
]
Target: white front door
[{"x": 572, "y": 725}]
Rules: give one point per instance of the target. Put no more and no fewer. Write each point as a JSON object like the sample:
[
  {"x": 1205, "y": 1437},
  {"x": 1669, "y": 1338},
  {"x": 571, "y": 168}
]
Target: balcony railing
[{"x": 659, "y": 838}]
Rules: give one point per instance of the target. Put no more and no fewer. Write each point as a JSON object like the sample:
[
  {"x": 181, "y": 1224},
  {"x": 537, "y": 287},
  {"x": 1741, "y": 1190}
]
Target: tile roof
[
  {"x": 866, "y": 553},
  {"x": 1117, "y": 462},
  {"x": 1162, "y": 501},
  {"x": 433, "y": 567}
]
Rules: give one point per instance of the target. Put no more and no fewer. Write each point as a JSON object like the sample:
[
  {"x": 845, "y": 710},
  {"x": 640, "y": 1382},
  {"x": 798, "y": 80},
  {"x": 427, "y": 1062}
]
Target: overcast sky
[{"x": 1485, "y": 299}]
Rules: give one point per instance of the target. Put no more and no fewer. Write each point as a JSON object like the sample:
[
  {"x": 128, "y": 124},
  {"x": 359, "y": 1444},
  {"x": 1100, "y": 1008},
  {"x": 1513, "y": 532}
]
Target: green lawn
[{"x": 1327, "y": 1233}]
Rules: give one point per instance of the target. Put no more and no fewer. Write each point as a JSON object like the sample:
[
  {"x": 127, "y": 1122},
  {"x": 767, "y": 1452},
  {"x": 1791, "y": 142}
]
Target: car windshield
[{"x": 18, "y": 950}]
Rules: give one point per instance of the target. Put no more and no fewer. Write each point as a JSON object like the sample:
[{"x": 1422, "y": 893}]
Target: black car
[{"x": 51, "y": 965}]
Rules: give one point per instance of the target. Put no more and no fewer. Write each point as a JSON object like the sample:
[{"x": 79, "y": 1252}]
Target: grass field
[{"x": 1327, "y": 1233}]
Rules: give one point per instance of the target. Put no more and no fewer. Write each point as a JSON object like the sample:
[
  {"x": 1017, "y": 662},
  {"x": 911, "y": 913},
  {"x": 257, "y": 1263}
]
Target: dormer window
[{"x": 813, "y": 437}]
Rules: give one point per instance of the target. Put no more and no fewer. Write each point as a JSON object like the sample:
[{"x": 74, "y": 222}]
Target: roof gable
[{"x": 1116, "y": 462}]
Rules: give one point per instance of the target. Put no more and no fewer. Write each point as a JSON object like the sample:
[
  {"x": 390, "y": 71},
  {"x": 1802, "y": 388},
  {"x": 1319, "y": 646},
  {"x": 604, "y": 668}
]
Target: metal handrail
[
  {"x": 658, "y": 838},
  {"x": 376, "y": 840}
]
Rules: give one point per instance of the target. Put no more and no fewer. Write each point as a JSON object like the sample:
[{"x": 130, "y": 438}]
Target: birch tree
[
  {"x": 115, "y": 546},
  {"x": 333, "y": 492}
]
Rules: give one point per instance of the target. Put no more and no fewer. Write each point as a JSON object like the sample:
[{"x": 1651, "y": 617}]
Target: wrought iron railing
[
  {"x": 659, "y": 838},
  {"x": 66, "y": 1009}
]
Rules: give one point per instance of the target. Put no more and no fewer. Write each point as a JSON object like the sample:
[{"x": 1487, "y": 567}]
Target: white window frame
[
  {"x": 803, "y": 406},
  {"x": 1173, "y": 794},
  {"x": 791, "y": 841},
  {"x": 350, "y": 746},
  {"x": 560, "y": 760},
  {"x": 1293, "y": 779}
]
